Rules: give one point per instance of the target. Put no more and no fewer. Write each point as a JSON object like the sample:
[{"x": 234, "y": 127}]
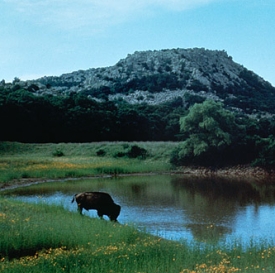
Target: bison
[{"x": 100, "y": 201}]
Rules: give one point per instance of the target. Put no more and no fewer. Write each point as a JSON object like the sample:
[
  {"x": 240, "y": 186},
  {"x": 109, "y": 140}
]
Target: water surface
[{"x": 176, "y": 207}]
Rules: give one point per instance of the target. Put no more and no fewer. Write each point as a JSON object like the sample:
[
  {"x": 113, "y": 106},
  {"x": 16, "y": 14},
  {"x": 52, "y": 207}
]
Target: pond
[{"x": 176, "y": 207}]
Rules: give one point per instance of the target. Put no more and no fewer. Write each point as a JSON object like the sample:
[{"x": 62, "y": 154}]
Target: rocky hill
[{"x": 154, "y": 77}]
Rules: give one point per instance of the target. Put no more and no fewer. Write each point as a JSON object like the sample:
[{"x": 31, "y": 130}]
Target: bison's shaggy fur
[{"x": 100, "y": 201}]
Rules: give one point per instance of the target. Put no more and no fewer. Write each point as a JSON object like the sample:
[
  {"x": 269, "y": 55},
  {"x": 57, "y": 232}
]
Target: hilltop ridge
[{"x": 154, "y": 77}]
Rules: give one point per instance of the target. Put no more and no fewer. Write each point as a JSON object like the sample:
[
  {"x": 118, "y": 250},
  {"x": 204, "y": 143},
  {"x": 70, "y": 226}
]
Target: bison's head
[{"x": 115, "y": 212}]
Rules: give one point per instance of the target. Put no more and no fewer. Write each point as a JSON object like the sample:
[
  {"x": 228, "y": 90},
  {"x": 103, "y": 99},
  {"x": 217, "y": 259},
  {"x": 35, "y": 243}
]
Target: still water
[{"x": 176, "y": 207}]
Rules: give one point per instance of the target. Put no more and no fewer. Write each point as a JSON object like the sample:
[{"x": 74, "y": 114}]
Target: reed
[{"x": 43, "y": 238}]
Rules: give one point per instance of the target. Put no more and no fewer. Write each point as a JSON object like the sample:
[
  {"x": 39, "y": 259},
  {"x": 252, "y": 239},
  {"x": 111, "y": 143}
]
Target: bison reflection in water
[{"x": 100, "y": 201}]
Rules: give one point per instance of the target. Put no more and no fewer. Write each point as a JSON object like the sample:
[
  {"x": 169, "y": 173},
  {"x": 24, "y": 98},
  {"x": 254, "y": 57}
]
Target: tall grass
[
  {"x": 43, "y": 238},
  {"x": 75, "y": 160}
]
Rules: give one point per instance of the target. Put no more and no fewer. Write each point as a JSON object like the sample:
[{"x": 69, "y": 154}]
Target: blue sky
[{"x": 51, "y": 37}]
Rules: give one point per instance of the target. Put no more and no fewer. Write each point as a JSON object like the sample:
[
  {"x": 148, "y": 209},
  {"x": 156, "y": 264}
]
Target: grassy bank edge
[
  {"x": 71, "y": 243},
  {"x": 24, "y": 163}
]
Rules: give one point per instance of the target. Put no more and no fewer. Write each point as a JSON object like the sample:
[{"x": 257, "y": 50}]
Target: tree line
[
  {"x": 26, "y": 117},
  {"x": 207, "y": 132}
]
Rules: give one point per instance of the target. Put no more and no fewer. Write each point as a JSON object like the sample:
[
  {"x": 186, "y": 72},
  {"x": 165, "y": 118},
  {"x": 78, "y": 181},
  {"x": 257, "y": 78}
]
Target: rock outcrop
[{"x": 154, "y": 77}]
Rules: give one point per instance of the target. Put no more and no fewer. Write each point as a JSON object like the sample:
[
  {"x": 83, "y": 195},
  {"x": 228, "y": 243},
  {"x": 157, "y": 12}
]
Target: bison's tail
[{"x": 73, "y": 199}]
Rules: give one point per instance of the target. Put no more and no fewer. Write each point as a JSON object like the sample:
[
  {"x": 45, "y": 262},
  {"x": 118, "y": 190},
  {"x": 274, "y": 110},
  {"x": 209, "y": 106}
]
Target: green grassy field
[
  {"x": 43, "y": 238},
  {"x": 42, "y": 161}
]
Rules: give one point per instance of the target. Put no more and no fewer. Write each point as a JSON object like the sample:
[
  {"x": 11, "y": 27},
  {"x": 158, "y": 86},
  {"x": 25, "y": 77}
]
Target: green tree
[
  {"x": 208, "y": 129},
  {"x": 266, "y": 151}
]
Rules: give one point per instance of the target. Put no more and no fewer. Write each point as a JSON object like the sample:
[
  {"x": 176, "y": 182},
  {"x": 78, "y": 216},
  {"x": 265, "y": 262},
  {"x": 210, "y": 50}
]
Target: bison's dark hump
[
  {"x": 102, "y": 195},
  {"x": 98, "y": 193}
]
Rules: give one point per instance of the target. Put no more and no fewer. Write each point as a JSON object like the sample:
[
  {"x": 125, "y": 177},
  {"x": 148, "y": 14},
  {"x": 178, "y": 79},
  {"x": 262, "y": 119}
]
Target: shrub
[
  {"x": 101, "y": 152},
  {"x": 58, "y": 153},
  {"x": 134, "y": 152},
  {"x": 120, "y": 154},
  {"x": 137, "y": 151}
]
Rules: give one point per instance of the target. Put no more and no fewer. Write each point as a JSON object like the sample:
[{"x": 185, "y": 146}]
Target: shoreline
[
  {"x": 253, "y": 174},
  {"x": 240, "y": 172}
]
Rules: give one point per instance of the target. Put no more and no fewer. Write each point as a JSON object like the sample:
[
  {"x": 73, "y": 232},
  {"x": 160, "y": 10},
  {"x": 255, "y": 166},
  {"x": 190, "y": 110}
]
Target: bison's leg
[
  {"x": 100, "y": 214},
  {"x": 79, "y": 208},
  {"x": 112, "y": 218}
]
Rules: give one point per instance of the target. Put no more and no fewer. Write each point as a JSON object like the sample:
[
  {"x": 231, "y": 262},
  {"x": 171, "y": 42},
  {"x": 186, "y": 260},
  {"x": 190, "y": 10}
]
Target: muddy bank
[{"x": 236, "y": 172}]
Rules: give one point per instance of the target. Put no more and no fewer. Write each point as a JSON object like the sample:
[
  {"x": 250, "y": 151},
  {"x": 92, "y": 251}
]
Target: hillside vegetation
[{"x": 219, "y": 111}]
